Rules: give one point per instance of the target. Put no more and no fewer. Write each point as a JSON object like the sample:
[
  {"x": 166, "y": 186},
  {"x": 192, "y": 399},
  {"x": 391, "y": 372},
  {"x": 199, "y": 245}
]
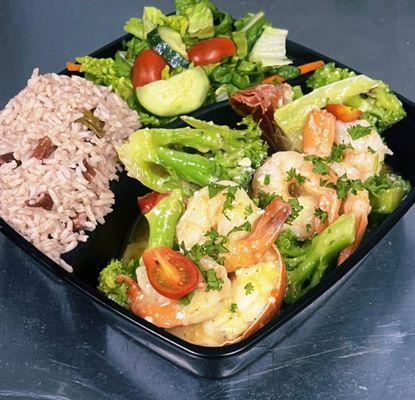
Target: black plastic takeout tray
[{"x": 109, "y": 240}]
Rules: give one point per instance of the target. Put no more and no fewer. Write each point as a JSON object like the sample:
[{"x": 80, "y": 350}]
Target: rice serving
[{"x": 54, "y": 171}]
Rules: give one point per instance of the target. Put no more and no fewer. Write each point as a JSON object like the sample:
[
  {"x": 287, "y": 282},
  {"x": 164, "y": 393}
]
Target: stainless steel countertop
[{"x": 359, "y": 344}]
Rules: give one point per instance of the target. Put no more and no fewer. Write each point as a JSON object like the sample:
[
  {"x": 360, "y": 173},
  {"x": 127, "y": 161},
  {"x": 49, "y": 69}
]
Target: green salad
[{"x": 174, "y": 64}]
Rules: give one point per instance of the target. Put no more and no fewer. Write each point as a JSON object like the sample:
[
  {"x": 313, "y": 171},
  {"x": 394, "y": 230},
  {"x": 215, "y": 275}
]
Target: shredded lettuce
[
  {"x": 177, "y": 22},
  {"x": 135, "y": 26},
  {"x": 251, "y": 25},
  {"x": 200, "y": 21},
  {"x": 269, "y": 49},
  {"x": 152, "y": 18},
  {"x": 223, "y": 23}
]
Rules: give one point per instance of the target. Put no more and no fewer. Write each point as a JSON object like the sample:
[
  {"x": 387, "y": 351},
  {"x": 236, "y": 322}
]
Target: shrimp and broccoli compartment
[{"x": 234, "y": 230}]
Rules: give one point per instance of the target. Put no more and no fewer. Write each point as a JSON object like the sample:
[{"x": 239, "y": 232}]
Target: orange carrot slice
[{"x": 73, "y": 67}]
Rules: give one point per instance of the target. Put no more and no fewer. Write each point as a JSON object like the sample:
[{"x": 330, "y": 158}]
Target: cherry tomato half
[
  {"x": 211, "y": 51},
  {"x": 147, "y": 202},
  {"x": 147, "y": 68},
  {"x": 170, "y": 273},
  {"x": 344, "y": 113}
]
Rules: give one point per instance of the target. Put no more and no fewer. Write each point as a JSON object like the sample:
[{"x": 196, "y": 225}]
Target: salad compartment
[{"x": 109, "y": 241}]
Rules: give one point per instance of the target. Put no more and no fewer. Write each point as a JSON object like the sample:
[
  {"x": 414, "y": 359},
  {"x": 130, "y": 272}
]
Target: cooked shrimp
[
  {"x": 309, "y": 193},
  {"x": 319, "y": 132},
  {"x": 163, "y": 312},
  {"x": 358, "y": 205},
  {"x": 251, "y": 249},
  {"x": 364, "y": 158},
  {"x": 204, "y": 213},
  {"x": 256, "y": 296}
]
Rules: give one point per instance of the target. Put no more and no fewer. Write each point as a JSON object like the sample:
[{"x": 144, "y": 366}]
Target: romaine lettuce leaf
[
  {"x": 179, "y": 23},
  {"x": 269, "y": 49},
  {"x": 200, "y": 21},
  {"x": 135, "y": 26},
  {"x": 252, "y": 26}
]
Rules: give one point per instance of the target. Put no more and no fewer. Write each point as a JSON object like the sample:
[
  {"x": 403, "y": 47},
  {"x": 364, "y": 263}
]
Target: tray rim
[{"x": 216, "y": 353}]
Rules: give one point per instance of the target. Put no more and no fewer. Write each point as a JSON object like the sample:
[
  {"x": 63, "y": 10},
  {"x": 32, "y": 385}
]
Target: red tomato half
[
  {"x": 149, "y": 201},
  {"x": 211, "y": 51},
  {"x": 147, "y": 68},
  {"x": 170, "y": 273},
  {"x": 344, "y": 113}
]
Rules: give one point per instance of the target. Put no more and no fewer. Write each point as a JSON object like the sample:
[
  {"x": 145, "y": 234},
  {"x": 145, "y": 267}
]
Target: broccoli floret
[
  {"x": 327, "y": 74},
  {"x": 191, "y": 157},
  {"x": 386, "y": 191},
  {"x": 307, "y": 262},
  {"x": 380, "y": 106},
  {"x": 107, "y": 280}
]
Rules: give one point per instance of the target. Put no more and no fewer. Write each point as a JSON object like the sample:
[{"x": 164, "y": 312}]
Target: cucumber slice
[
  {"x": 291, "y": 117},
  {"x": 180, "y": 94},
  {"x": 168, "y": 43}
]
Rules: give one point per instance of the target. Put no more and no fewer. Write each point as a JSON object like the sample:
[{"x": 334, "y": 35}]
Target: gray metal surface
[{"x": 359, "y": 344}]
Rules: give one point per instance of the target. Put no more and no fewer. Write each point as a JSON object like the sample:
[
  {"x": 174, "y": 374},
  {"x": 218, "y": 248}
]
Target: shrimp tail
[
  {"x": 361, "y": 224},
  {"x": 270, "y": 224},
  {"x": 250, "y": 249}
]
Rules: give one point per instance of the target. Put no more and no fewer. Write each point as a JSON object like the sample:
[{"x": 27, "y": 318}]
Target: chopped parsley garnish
[
  {"x": 233, "y": 308},
  {"x": 320, "y": 165},
  {"x": 358, "y": 131},
  {"x": 246, "y": 226},
  {"x": 337, "y": 152},
  {"x": 212, "y": 280},
  {"x": 248, "y": 210},
  {"x": 343, "y": 186},
  {"x": 212, "y": 248},
  {"x": 308, "y": 228},
  {"x": 249, "y": 288},
  {"x": 293, "y": 174},
  {"x": 215, "y": 188},
  {"x": 267, "y": 180},
  {"x": 265, "y": 198},
  {"x": 185, "y": 301},
  {"x": 319, "y": 213},
  {"x": 296, "y": 208},
  {"x": 230, "y": 197}
]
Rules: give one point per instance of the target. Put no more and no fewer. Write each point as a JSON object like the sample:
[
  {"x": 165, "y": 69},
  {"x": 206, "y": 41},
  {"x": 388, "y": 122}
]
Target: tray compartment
[{"x": 109, "y": 240}]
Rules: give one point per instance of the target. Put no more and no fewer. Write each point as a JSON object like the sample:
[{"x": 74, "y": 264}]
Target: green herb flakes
[
  {"x": 293, "y": 174},
  {"x": 358, "y": 131},
  {"x": 233, "y": 308},
  {"x": 319, "y": 213},
  {"x": 249, "y": 288}
]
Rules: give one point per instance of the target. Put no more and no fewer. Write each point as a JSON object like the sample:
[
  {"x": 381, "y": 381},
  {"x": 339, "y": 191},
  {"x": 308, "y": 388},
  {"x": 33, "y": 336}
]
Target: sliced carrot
[
  {"x": 272, "y": 78},
  {"x": 73, "y": 67},
  {"x": 306, "y": 68}
]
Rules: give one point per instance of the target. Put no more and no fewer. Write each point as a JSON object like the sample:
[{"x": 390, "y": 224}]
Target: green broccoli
[
  {"x": 380, "y": 106},
  {"x": 386, "y": 191},
  {"x": 107, "y": 280},
  {"x": 191, "y": 157},
  {"x": 306, "y": 263},
  {"x": 327, "y": 74}
]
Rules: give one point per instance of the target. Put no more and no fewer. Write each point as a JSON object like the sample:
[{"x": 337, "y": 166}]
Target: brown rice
[{"x": 49, "y": 106}]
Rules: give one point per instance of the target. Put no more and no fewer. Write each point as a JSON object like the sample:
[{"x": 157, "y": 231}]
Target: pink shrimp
[{"x": 250, "y": 250}]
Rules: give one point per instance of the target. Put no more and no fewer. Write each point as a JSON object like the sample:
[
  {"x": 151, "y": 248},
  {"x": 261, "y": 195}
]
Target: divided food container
[{"x": 109, "y": 240}]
